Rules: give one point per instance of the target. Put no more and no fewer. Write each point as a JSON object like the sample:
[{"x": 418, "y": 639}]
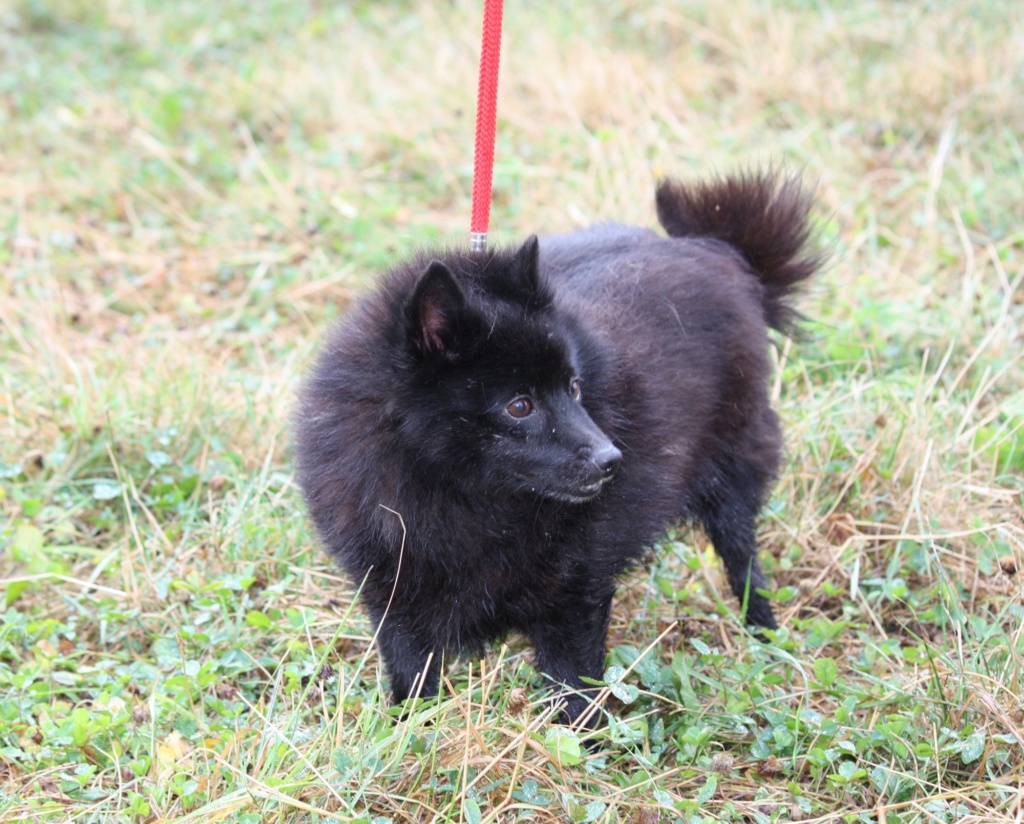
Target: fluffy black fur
[{"x": 490, "y": 439}]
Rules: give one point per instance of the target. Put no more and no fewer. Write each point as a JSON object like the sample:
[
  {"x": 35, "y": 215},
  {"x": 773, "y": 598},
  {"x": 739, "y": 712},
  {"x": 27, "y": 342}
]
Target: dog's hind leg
[{"x": 728, "y": 511}]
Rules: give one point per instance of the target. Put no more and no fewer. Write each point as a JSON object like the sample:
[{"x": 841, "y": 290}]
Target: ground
[{"x": 190, "y": 192}]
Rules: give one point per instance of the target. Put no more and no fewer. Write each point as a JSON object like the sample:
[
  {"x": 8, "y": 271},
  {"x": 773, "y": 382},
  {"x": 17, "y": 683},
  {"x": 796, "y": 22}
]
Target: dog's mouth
[
  {"x": 576, "y": 495},
  {"x": 570, "y": 487}
]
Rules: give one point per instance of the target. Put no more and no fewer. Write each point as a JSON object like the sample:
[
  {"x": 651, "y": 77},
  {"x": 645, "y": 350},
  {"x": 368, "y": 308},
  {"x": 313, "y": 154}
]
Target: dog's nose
[{"x": 608, "y": 459}]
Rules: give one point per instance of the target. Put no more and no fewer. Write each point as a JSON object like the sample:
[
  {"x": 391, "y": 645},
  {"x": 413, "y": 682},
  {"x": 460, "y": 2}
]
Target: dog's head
[{"x": 498, "y": 381}]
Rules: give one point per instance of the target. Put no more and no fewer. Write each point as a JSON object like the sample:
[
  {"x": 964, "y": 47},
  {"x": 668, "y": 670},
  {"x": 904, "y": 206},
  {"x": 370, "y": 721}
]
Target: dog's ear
[
  {"x": 435, "y": 311},
  {"x": 525, "y": 266},
  {"x": 524, "y": 275}
]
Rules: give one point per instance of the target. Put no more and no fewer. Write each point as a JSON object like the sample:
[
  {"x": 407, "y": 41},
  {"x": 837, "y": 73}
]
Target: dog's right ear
[{"x": 436, "y": 311}]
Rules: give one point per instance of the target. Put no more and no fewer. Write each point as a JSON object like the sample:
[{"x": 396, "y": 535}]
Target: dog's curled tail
[{"x": 765, "y": 216}]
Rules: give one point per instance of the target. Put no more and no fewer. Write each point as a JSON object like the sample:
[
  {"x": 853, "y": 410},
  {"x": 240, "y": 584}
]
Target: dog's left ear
[{"x": 525, "y": 270}]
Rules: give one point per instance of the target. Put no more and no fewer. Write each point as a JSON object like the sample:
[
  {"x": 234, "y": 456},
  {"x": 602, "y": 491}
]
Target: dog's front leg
[
  {"x": 570, "y": 646},
  {"x": 413, "y": 667}
]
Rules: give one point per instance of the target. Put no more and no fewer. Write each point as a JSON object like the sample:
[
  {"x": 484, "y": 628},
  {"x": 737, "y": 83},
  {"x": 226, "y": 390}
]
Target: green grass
[{"x": 190, "y": 192}]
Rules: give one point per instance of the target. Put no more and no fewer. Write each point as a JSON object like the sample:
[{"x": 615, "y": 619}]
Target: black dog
[{"x": 490, "y": 439}]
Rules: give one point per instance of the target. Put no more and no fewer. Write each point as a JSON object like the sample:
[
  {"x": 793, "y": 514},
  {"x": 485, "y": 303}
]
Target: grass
[{"x": 192, "y": 191}]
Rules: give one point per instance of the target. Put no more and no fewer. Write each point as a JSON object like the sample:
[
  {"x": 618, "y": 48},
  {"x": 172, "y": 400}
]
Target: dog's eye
[
  {"x": 575, "y": 389},
  {"x": 520, "y": 407}
]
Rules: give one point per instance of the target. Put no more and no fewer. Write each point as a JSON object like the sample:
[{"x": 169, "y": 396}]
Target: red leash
[{"x": 486, "y": 117}]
